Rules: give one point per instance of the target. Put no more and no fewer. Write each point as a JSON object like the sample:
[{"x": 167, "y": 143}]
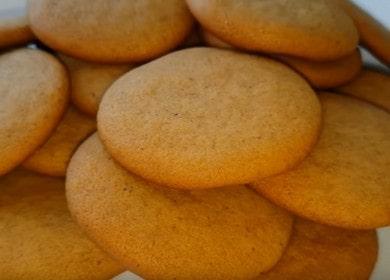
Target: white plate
[{"x": 381, "y": 10}]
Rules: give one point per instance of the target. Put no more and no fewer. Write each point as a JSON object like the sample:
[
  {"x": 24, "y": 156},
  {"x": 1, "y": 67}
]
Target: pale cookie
[
  {"x": 371, "y": 86},
  {"x": 38, "y": 238},
  {"x": 345, "y": 181},
  {"x": 319, "y": 252},
  {"x": 204, "y": 117},
  {"x": 162, "y": 233},
  {"x": 325, "y": 74},
  {"x": 53, "y": 157},
  {"x": 374, "y": 35},
  {"x": 33, "y": 97},
  {"x": 111, "y": 31},
  {"x": 312, "y": 29},
  {"x": 14, "y": 28},
  {"x": 90, "y": 80}
]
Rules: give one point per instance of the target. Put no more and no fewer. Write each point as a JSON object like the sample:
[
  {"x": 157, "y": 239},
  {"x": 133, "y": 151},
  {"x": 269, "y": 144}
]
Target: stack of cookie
[{"x": 187, "y": 150}]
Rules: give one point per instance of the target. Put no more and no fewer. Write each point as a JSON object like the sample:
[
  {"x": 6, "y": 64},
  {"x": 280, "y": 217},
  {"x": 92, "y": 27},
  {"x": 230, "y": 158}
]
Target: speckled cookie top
[
  {"x": 162, "y": 233},
  {"x": 203, "y": 117},
  {"x": 319, "y": 252},
  {"x": 371, "y": 86},
  {"x": 89, "y": 81},
  {"x": 344, "y": 181},
  {"x": 39, "y": 239},
  {"x": 111, "y": 31},
  {"x": 34, "y": 95},
  {"x": 53, "y": 157},
  {"x": 315, "y": 29}
]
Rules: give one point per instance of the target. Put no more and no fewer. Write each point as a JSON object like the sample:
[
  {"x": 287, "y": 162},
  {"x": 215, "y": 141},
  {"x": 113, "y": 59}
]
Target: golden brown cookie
[
  {"x": 371, "y": 86},
  {"x": 14, "y": 29},
  {"x": 33, "y": 97},
  {"x": 319, "y": 252},
  {"x": 38, "y": 238},
  {"x": 324, "y": 74},
  {"x": 120, "y": 31},
  {"x": 345, "y": 181},
  {"x": 90, "y": 81},
  {"x": 162, "y": 233},
  {"x": 312, "y": 29},
  {"x": 53, "y": 157},
  {"x": 204, "y": 117},
  {"x": 373, "y": 35},
  {"x": 211, "y": 40}
]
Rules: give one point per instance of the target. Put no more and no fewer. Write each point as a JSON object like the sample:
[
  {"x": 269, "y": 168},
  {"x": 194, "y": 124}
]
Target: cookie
[
  {"x": 90, "y": 81},
  {"x": 371, "y": 86},
  {"x": 316, "y": 30},
  {"x": 14, "y": 28},
  {"x": 345, "y": 181},
  {"x": 38, "y": 238},
  {"x": 318, "y": 74},
  {"x": 53, "y": 157},
  {"x": 373, "y": 35},
  {"x": 120, "y": 31},
  {"x": 319, "y": 252},
  {"x": 326, "y": 74},
  {"x": 221, "y": 118},
  {"x": 212, "y": 41},
  {"x": 34, "y": 95},
  {"x": 162, "y": 233}
]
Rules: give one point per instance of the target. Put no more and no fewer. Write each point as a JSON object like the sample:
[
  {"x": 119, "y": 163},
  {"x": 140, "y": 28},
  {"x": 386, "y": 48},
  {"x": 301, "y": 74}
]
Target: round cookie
[
  {"x": 345, "y": 181},
  {"x": 90, "y": 80},
  {"x": 319, "y": 252},
  {"x": 204, "y": 117},
  {"x": 53, "y": 157},
  {"x": 162, "y": 233},
  {"x": 34, "y": 95},
  {"x": 371, "y": 86},
  {"x": 14, "y": 29},
  {"x": 325, "y": 74},
  {"x": 120, "y": 31},
  {"x": 373, "y": 35},
  {"x": 312, "y": 29},
  {"x": 38, "y": 238}
]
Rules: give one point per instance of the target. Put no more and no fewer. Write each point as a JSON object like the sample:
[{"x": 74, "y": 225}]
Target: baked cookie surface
[
  {"x": 319, "y": 252},
  {"x": 14, "y": 27},
  {"x": 39, "y": 239},
  {"x": 371, "y": 86},
  {"x": 373, "y": 34},
  {"x": 89, "y": 81},
  {"x": 322, "y": 74},
  {"x": 120, "y": 31},
  {"x": 53, "y": 157},
  {"x": 329, "y": 74},
  {"x": 317, "y": 30},
  {"x": 345, "y": 180},
  {"x": 162, "y": 233},
  {"x": 33, "y": 97},
  {"x": 221, "y": 118}
]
